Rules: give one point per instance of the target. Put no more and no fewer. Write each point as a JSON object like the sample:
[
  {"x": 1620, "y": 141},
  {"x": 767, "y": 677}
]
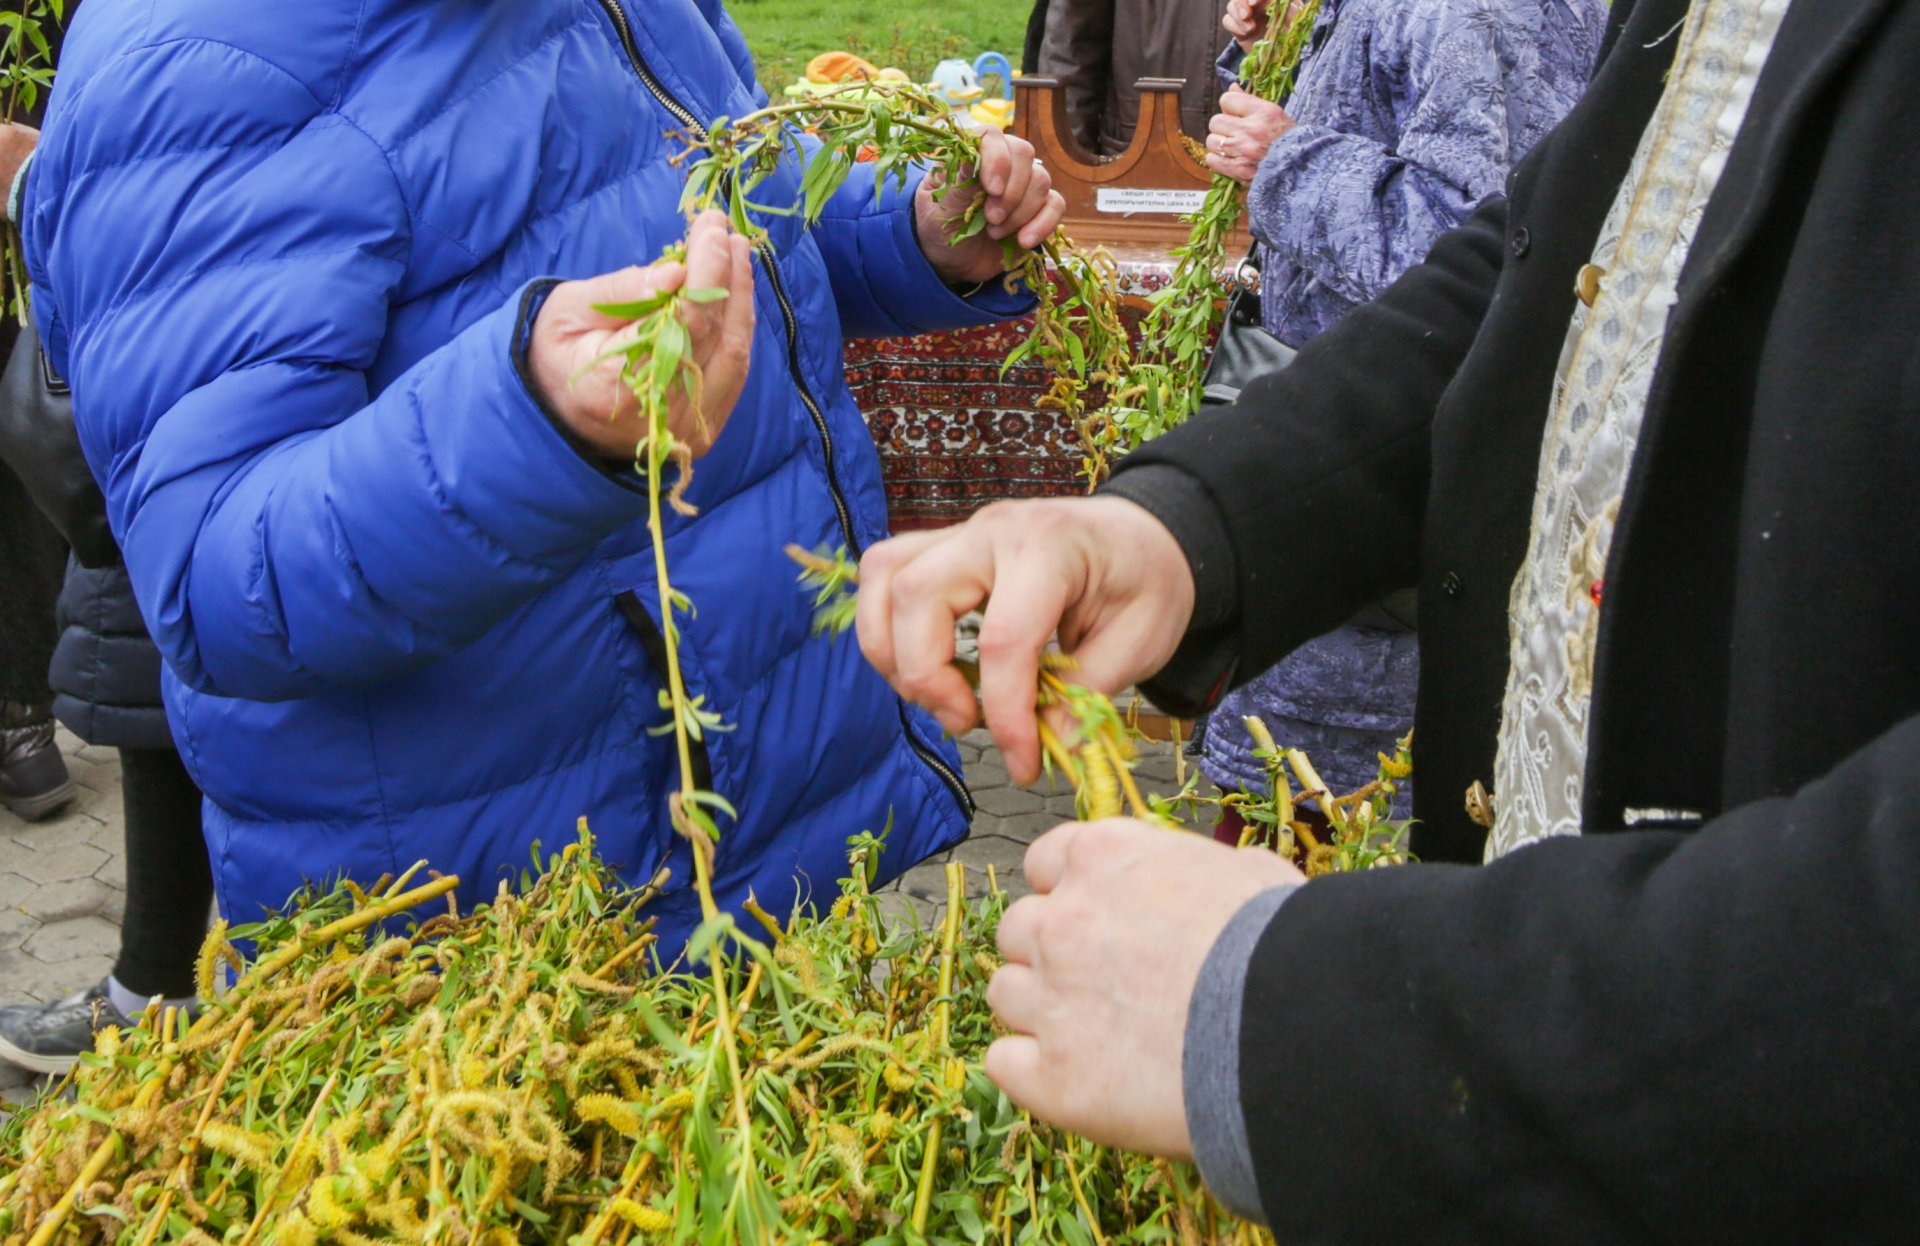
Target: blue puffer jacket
[{"x": 286, "y": 254}]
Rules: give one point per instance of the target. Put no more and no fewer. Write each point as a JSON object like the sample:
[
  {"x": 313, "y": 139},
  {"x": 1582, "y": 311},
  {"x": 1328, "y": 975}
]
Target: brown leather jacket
[{"x": 1100, "y": 48}]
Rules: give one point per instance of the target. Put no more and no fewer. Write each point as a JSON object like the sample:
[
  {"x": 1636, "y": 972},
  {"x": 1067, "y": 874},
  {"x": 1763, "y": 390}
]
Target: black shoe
[
  {"x": 48, "y": 1038},
  {"x": 33, "y": 775}
]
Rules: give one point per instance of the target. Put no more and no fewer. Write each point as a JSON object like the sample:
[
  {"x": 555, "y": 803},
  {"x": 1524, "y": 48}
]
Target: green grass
[{"x": 912, "y": 34}]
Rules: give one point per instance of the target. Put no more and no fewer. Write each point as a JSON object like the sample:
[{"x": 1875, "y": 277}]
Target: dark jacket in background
[
  {"x": 31, "y": 551},
  {"x": 1700, "y": 1033},
  {"x": 103, "y": 668},
  {"x": 1036, "y": 35},
  {"x": 106, "y": 670},
  {"x": 1099, "y": 49}
]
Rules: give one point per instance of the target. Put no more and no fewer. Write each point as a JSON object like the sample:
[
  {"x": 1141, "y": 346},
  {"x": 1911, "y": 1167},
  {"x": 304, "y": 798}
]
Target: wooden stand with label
[{"x": 1133, "y": 203}]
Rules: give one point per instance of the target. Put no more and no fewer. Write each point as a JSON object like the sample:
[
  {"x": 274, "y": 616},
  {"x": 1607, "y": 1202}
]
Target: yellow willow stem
[
  {"x": 1058, "y": 752},
  {"x": 358, "y": 920},
  {"x": 636, "y": 1169},
  {"x": 280, "y": 1178},
  {"x": 697, "y": 839},
  {"x": 942, "y": 1021},
  {"x": 1136, "y": 803},
  {"x": 56, "y": 1217},
  {"x": 1080, "y": 1197},
  {"x": 182, "y": 1171}
]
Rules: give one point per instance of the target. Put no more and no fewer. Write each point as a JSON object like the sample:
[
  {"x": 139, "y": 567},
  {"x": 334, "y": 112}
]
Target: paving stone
[
  {"x": 1024, "y": 828},
  {"x": 1061, "y": 807},
  {"x": 15, "y": 890},
  {"x": 113, "y": 872},
  {"x": 18, "y": 1087},
  {"x": 57, "y": 942},
  {"x": 98, "y": 753},
  {"x": 898, "y": 906},
  {"x": 1155, "y": 769},
  {"x": 926, "y": 881},
  {"x": 110, "y": 838},
  {"x": 1006, "y": 801},
  {"x": 987, "y": 773},
  {"x": 101, "y": 776},
  {"x": 1005, "y": 854},
  {"x": 64, "y": 901},
  {"x": 15, "y": 925},
  {"x": 25, "y": 978},
  {"x": 61, "y": 862}
]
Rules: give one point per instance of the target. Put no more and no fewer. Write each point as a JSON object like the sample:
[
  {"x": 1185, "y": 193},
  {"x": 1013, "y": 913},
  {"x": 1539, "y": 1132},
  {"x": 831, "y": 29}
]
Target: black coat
[{"x": 1698, "y": 1034}]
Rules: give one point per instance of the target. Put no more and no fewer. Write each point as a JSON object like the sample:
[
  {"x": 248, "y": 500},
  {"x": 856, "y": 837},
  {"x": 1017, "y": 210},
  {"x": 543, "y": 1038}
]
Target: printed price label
[{"x": 1128, "y": 200}]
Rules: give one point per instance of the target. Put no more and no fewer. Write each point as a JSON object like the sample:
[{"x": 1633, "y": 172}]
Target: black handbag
[
  {"x": 1244, "y": 350},
  {"x": 38, "y": 440}
]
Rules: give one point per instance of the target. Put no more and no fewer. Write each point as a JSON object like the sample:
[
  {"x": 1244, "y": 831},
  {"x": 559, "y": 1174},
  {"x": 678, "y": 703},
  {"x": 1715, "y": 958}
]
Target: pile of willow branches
[{"x": 528, "y": 1072}]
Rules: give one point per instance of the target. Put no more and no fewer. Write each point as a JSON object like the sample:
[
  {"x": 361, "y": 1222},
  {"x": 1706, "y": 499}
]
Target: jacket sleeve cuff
[
  {"x": 1210, "y": 1061},
  {"x": 17, "y": 193},
  {"x": 1202, "y": 668},
  {"x": 890, "y": 287},
  {"x": 1228, "y": 66}
]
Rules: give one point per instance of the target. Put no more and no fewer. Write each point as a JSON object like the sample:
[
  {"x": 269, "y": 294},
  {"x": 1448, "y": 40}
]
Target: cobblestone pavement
[{"x": 63, "y": 881}]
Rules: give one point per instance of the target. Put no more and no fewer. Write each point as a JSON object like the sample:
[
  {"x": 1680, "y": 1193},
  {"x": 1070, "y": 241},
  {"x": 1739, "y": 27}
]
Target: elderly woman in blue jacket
[{"x": 322, "y": 277}]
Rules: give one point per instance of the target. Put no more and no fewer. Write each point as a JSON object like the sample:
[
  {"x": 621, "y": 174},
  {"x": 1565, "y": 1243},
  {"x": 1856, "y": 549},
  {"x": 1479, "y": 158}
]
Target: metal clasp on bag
[{"x": 54, "y": 383}]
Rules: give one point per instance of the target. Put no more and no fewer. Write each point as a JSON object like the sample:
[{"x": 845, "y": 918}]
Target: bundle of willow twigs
[{"x": 528, "y": 1072}]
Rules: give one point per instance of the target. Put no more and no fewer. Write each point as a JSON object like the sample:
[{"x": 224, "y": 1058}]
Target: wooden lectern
[{"x": 1132, "y": 203}]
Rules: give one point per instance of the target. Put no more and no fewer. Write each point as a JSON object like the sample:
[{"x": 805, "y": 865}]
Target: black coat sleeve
[
  {"x": 1627, "y": 1037},
  {"x": 1314, "y": 484}
]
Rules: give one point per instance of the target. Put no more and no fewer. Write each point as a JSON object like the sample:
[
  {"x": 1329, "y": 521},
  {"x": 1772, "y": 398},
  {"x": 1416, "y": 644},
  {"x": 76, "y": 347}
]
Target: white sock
[{"x": 131, "y": 1004}]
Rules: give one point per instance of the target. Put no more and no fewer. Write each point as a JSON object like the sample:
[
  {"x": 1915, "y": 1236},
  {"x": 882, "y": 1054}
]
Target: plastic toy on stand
[
  {"x": 955, "y": 82},
  {"x": 958, "y": 83}
]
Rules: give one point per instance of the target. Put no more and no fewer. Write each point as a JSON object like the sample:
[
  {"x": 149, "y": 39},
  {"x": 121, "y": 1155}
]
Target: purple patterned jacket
[{"x": 1408, "y": 113}]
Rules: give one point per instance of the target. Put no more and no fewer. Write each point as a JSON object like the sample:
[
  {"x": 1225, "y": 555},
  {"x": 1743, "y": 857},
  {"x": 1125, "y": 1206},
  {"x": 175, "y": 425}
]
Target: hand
[
  {"x": 1021, "y": 204},
  {"x": 16, "y": 144},
  {"x": 570, "y": 335},
  {"x": 1102, "y": 571},
  {"x": 1101, "y": 964},
  {"x": 1242, "y": 131},
  {"x": 1246, "y": 21}
]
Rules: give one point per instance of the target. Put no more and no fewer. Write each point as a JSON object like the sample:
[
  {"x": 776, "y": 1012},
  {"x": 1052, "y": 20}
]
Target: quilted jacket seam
[
  {"x": 143, "y": 293},
  {"x": 454, "y": 102}
]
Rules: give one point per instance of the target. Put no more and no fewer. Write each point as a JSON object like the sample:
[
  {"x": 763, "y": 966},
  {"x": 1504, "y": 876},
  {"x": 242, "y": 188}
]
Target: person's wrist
[
  {"x": 945, "y": 259},
  {"x": 17, "y": 144},
  {"x": 1150, "y": 546},
  {"x": 547, "y": 372},
  {"x": 542, "y": 365}
]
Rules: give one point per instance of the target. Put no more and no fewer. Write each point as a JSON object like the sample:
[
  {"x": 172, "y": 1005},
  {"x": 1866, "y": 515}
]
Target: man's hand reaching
[{"x": 1101, "y": 572}]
